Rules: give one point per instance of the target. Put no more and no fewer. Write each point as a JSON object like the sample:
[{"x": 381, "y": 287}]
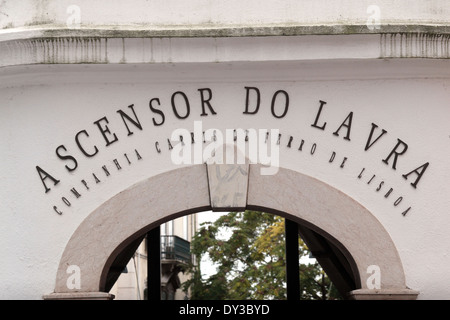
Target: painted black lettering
[
  {"x": 138, "y": 156},
  {"x": 57, "y": 211},
  {"x": 75, "y": 192},
  {"x": 157, "y": 111},
  {"x": 406, "y": 211},
  {"x": 67, "y": 157},
  {"x": 343, "y": 162},
  {"x": 134, "y": 121},
  {"x": 117, "y": 164},
  {"x": 77, "y": 140},
  {"x": 105, "y": 130},
  {"x": 286, "y": 104},
  {"x": 360, "y": 174},
  {"x": 380, "y": 186},
  {"x": 315, "y": 125},
  {"x": 333, "y": 155},
  {"x": 369, "y": 142},
  {"x": 44, "y": 175},
  {"x": 67, "y": 202},
  {"x": 301, "y": 145},
  {"x": 290, "y": 141},
  {"x": 106, "y": 171},
  {"x": 396, "y": 153},
  {"x": 95, "y": 178},
  {"x": 206, "y": 101},
  {"x": 313, "y": 148},
  {"x": 419, "y": 171},
  {"x": 85, "y": 184},
  {"x": 247, "y": 100},
  {"x": 126, "y": 157},
  {"x": 186, "y": 102},
  {"x": 347, "y": 124},
  {"x": 397, "y": 202},
  {"x": 388, "y": 193}
]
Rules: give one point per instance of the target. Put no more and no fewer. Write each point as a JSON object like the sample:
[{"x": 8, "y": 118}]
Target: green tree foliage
[{"x": 251, "y": 262}]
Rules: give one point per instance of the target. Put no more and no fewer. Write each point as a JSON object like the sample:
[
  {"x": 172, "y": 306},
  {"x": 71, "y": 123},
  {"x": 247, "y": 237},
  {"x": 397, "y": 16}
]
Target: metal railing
[{"x": 175, "y": 248}]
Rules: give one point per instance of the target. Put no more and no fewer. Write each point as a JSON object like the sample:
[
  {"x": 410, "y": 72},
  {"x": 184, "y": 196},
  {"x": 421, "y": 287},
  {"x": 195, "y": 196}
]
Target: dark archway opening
[{"x": 336, "y": 265}]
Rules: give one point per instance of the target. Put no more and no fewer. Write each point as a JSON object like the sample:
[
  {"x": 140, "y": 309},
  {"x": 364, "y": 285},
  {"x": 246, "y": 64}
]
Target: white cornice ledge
[
  {"x": 214, "y": 30},
  {"x": 58, "y": 45}
]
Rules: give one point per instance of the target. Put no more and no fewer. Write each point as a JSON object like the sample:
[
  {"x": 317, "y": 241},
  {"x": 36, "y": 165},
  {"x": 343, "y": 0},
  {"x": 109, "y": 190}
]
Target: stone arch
[{"x": 133, "y": 212}]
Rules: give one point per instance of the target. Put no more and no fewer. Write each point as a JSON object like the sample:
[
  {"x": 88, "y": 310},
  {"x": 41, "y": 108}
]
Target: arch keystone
[
  {"x": 228, "y": 181},
  {"x": 228, "y": 184}
]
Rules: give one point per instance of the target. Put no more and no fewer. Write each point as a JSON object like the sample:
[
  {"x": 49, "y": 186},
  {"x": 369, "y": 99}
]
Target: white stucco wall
[{"x": 45, "y": 106}]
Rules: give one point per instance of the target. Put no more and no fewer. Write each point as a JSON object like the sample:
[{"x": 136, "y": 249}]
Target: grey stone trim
[
  {"x": 392, "y": 294},
  {"x": 128, "y": 215},
  {"x": 79, "y": 296}
]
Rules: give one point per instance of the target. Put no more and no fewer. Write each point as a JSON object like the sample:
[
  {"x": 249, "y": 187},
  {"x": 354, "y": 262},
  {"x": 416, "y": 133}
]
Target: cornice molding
[{"x": 133, "y": 45}]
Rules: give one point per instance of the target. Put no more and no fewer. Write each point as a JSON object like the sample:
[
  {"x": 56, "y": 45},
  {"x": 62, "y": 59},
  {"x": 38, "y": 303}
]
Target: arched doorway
[
  {"x": 326, "y": 216},
  {"x": 283, "y": 259}
]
